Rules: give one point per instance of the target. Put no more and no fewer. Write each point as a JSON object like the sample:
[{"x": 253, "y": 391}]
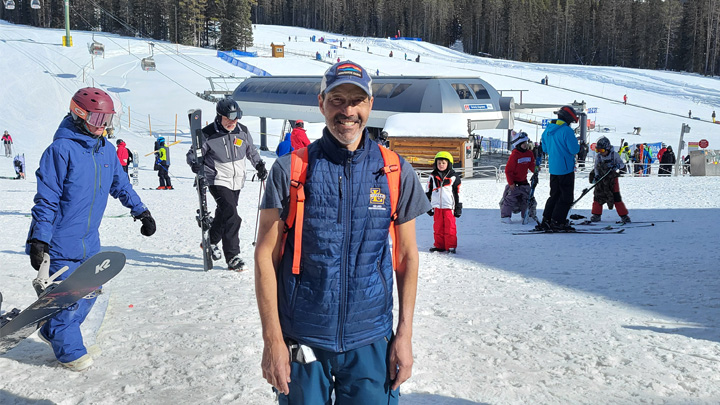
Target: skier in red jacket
[{"x": 298, "y": 136}]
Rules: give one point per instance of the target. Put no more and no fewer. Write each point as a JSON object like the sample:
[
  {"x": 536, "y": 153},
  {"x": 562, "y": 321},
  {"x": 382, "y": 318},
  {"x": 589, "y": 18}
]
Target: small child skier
[
  {"x": 444, "y": 194},
  {"x": 607, "y": 191},
  {"x": 517, "y": 191}
]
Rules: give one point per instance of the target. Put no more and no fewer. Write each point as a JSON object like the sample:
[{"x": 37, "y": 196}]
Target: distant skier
[
  {"x": 7, "y": 141},
  {"x": 77, "y": 172},
  {"x": 607, "y": 191},
  {"x": 689, "y": 113},
  {"x": 285, "y": 146},
  {"x": 123, "y": 154},
  {"x": 227, "y": 146},
  {"x": 298, "y": 136},
  {"x": 667, "y": 161},
  {"x": 625, "y": 99},
  {"x": 713, "y": 116},
  {"x": 582, "y": 154},
  {"x": 162, "y": 164}
]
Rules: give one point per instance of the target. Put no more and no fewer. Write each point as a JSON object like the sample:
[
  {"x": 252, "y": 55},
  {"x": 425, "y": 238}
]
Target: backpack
[
  {"x": 130, "y": 157},
  {"x": 298, "y": 176}
]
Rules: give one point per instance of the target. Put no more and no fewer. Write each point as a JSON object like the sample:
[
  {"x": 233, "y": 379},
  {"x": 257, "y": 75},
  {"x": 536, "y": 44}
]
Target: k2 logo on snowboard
[
  {"x": 377, "y": 199},
  {"x": 102, "y": 266}
]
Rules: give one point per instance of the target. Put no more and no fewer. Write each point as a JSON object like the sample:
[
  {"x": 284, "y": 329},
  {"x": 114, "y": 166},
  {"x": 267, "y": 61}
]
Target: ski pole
[
  {"x": 587, "y": 190},
  {"x": 257, "y": 217}
]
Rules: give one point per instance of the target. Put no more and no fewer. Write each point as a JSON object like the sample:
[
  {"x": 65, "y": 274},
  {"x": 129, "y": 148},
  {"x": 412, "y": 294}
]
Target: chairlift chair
[
  {"x": 35, "y": 4},
  {"x": 10, "y": 5},
  {"x": 148, "y": 64},
  {"x": 96, "y": 48}
]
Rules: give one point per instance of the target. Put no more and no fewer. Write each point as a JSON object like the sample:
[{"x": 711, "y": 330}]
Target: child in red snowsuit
[
  {"x": 444, "y": 195},
  {"x": 517, "y": 191}
]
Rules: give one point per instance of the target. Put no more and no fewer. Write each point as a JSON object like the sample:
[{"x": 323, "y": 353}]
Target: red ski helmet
[
  {"x": 567, "y": 114},
  {"x": 92, "y": 105}
]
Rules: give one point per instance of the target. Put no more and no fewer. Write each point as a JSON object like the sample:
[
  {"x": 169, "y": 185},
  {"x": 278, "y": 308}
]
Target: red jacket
[
  {"x": 518, "y": 165},
  {"x": 122, "y": 154},
  {"x": 298, "y": 138}
]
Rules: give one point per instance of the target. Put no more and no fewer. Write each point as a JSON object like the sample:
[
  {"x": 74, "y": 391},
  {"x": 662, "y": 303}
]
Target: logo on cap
[{"x": 349, "y": 69}]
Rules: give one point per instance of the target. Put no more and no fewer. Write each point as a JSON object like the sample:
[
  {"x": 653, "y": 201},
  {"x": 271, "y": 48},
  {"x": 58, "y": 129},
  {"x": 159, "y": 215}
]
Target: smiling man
[{"x": 324, "y": 281}]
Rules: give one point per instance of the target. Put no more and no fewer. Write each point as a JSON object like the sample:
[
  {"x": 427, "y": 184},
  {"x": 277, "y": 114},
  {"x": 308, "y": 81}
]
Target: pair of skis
[{"x": 203, "y": 215}]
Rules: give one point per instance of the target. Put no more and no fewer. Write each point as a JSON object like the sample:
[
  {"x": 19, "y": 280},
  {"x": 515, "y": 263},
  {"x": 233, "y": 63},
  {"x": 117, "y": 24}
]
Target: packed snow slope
[{"x": 547, "y": 319}]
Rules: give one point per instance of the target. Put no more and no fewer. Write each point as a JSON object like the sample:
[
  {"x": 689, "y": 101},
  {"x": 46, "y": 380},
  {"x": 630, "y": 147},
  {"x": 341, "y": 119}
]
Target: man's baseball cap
[{"x": 346, "y": 72}]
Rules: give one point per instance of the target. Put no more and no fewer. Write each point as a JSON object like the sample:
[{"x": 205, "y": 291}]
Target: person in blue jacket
[
  {"x": 561, "y": 146},
  {"x": 329, "y": 329},
  {"x": 77, "y": 172},
  {"x": 285, "y": 146}
]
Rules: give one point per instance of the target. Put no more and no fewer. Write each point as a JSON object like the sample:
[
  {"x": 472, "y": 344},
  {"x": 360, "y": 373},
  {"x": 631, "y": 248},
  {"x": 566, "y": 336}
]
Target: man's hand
[
  {"x": 261, "y": 171},
  {"x": 401, "y": 360},
  {"x": 38, "y": 249},
  {"x": 276, "y": 365},
  {"x": 148, "y": 223}
]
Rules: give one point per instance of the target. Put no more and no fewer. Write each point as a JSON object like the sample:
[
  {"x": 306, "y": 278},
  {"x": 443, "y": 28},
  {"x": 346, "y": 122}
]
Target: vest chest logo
[
  {"x": 238, "y": 142},
  {"x": 377, "y": 199}
]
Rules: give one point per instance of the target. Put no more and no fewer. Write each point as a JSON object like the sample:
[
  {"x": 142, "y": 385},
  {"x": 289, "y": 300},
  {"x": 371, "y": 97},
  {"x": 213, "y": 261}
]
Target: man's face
[
  {"x": 229, "y": 124},
  {"x": 346, "y": 109}
]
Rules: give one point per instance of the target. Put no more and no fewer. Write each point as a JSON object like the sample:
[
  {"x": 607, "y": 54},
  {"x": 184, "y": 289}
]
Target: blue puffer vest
[{"x": 342, "y": 298}]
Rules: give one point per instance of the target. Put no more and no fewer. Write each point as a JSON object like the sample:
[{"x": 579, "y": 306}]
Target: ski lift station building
[{"x": 419, "y": 115}]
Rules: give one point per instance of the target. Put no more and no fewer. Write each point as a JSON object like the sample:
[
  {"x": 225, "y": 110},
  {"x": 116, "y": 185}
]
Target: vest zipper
[
  {"x": 345, "y": 206},
  {"x": 340, "y": 186}
]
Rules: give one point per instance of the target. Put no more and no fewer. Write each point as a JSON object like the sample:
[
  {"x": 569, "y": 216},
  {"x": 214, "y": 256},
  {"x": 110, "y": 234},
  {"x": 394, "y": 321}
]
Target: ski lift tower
[{"x": 67, "y": 39}]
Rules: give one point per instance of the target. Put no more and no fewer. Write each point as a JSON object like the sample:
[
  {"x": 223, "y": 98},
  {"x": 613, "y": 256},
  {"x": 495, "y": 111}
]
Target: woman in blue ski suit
[{"x": 77, "y": 172}]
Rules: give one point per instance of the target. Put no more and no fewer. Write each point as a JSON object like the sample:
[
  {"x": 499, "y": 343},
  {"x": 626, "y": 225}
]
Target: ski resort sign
[
  {"x": 478, "y": 107},
  {"x": 703, "y": 143}
]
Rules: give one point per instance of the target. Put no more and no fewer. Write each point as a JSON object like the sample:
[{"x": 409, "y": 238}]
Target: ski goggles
[
  {"x": 232, "y": 115},
  {"x": 96, "y": 119},
  {"x": 599, "y": 150}
]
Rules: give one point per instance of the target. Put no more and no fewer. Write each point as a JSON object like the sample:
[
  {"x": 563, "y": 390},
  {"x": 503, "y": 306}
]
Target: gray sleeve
[
  {"x": 277, "y": 190},
  {"x": 252, "y": 153},
  {"x": 413, "y": 201}
]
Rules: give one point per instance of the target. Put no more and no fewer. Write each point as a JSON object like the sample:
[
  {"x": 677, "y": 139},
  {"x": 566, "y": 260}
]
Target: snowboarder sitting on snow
[
  {"x": 607, "y": 191},
  {"x": 162, "y": 164},
  {"x": 517, "y": 191},
  {"x": 443, "y": 191},
  {"x": 19, "y": 165},
  {"x": 77, "y": 172}
]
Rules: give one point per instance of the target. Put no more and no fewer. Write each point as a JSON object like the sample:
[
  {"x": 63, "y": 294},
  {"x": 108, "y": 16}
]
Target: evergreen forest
[{"x": 680, "y": 35}]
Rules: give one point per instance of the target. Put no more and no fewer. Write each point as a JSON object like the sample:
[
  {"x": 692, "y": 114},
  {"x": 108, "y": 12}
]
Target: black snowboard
[
  {"x": 203, "y": 215},
  {"x": 15, "y": 325}
]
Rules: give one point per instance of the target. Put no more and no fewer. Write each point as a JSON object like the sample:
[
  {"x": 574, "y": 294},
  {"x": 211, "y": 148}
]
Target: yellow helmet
[{"x": 445, "y": 155}]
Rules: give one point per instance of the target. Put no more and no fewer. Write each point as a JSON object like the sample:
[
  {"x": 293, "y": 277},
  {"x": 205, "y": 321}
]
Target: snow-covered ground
[{"x": 558, "y": 319}]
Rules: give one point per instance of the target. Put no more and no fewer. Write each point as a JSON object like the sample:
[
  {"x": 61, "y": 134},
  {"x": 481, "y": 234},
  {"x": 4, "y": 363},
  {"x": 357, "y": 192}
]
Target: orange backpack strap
[
  {"x": 392, "y": 171},
  {"x": 298, "y": 174}
]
